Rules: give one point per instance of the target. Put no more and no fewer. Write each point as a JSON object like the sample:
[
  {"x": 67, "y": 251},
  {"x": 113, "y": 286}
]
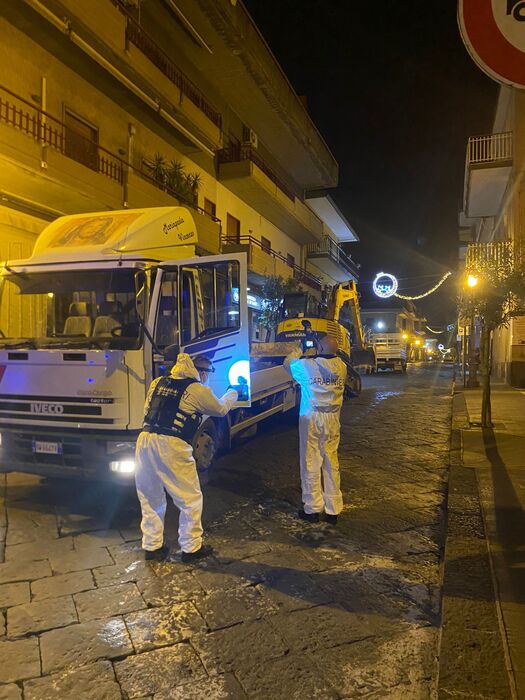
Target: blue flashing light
[
  {"x": 107, "y": 355},
  {"x": 239, "y": 370},
  {"x": 90, "y": 380}
]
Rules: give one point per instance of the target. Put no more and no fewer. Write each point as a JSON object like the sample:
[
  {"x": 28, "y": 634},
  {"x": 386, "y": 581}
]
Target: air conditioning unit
[{"x": 250, "y": 138}]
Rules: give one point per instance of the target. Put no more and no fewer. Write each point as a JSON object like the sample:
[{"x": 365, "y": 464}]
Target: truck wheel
[{"x": 205, "y": 449}]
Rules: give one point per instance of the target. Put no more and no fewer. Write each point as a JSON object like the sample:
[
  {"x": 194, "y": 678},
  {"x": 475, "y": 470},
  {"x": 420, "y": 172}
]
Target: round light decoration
[{"x": 385, "y": 285}]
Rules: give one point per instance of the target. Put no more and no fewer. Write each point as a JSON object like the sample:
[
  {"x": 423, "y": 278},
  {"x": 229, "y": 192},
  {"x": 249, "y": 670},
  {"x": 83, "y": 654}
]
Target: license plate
[{"x": 47, "y": 448}]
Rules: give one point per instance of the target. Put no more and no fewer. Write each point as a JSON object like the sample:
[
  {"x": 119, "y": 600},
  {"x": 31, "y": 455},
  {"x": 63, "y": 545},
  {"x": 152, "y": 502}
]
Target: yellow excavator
[{"x": 305, "y": 318}]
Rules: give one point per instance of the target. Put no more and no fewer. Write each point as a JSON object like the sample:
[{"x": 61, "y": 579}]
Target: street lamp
[{"x": 472, "y": 281}]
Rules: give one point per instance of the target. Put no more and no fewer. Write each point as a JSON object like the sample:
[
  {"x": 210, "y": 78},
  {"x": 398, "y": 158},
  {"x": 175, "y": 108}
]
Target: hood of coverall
[{"x": 184, "y": 368}]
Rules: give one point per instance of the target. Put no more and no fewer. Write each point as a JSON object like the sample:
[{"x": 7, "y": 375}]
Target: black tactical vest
[{"x": 163, "y": 415}]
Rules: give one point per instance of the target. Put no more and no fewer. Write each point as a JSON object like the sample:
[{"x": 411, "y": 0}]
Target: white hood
[{"x": 184, "y": 368}]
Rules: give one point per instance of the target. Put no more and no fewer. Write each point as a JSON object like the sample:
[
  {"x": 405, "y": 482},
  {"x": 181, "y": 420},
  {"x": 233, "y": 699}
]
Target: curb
[{"x": 472, "y": 655}]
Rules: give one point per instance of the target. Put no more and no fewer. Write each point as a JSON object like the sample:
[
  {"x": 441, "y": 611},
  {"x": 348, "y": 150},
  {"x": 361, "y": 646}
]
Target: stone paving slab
[
  {"x": 34, "y": 551},
  {"x": 14, "y": 594},
  {"x": 62, "y": 584},
  {"x": 240, "y": 646},
  {"x": 108, "y": 602},
  {"x": 226, "y": 608},
  {"x": 40, "y": 616},
  {"x": 88, "y": 558},
  {"x": 13, "y": 571},
  {"x": 159, "y": 627},
  {"x": 20, "y": 660},
  {"x": 92, "y": 682},
  {"x": 80, "y": 644},
  {"x": 221, "y": 687},
  {"x": 10, "y": 692},
  {"x": 158, "y": 670},
  {"x": 114, "y": 574},
  {"x": 293, "y": 676},
  {"x": 98, "y": 538},
  {"x": 160, "y": 592}
]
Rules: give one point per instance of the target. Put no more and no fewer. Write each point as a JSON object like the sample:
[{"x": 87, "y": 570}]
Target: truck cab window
[
  {"x": 167, "y": 326},
  {"x": 209, "y": 300}
]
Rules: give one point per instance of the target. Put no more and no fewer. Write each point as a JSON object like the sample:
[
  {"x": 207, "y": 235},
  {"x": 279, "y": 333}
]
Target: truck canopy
[{"x": 158, "y": 233}]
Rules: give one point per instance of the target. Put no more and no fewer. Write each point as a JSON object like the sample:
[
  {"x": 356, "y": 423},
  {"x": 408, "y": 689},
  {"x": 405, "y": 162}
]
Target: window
[
  {"x": 210, "y": 208},
  {"x": 81, "y": 140},
  {"x": 290, "y": 259},
  {"x": 166, "y": 331},
  {"x": 403, "y": 323},
  {"x": 207, "y": 300},
  {"x": 233, "y": 228},
  {"x": 266, "y": 244}
]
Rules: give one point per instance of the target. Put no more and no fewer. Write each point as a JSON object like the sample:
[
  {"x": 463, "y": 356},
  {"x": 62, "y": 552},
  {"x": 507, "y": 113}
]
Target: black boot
[
  {"x": 205, "y": 551},
  {"x": 309, "y": 517},
  {"x": 328, "y": 518},
  {"x": 159, "y": 554}
]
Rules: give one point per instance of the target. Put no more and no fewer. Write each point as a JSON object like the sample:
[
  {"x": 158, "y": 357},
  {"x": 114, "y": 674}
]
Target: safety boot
[
  {"x": 309, "y": 517},
  {"x": 159, "y": 554},
  {"x": 205, "y": 551},
  {"x": 329, "y": 518}
]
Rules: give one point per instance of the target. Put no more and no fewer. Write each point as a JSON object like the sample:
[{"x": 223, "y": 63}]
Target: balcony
[
  {"x": 497, "y": 259},
  {"x": 331, "y": 259},
  {"x": 487, "y": 171},
  {"x": 263, "y": 262},
  {"x": 46, "y": 161},
  {"x": 246, "y": 174}
]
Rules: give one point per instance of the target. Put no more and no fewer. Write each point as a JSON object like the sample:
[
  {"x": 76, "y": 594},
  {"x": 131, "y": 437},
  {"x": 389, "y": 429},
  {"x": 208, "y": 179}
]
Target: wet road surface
[{"x": 284, "y": 610}]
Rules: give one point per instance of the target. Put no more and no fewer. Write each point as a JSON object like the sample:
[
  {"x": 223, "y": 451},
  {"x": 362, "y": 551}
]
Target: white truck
[
  {"x": 391, "y": 351},
  {"x": 102, "y": 306}
]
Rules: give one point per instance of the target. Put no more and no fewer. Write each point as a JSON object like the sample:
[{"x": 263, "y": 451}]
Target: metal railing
[
  {"x": 235, "y": 153},
  {"x": 490, "y": 148},
  {"x": 49, "y": 131},
  {"x": 299, "y": 273},
  {"x": 137, "y": 36},
  {"x": 334, "y": 251}
]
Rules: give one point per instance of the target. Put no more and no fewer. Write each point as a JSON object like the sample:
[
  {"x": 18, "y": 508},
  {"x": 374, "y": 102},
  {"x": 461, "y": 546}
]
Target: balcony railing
[
  {"x": 235, "y": 153},
  {"x": 299, "y": 273},
  {"x": 137, "y": 36},
  {"x": 334, "y": 251},
  {"x": 45, "y": 129},
  {"x": 489, "y": 149},
  {"x": 49, "y": 131}
]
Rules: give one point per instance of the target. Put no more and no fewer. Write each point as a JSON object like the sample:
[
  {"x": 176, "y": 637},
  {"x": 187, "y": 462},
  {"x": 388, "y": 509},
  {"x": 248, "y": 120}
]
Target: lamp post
[{"x": 473, "y": 357}]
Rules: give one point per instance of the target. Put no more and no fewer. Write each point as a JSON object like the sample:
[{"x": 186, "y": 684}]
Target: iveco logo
[{"x": 54, "y": 408}]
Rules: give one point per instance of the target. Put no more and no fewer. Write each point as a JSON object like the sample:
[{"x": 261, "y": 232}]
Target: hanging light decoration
[{"x": 428, "y": 292}]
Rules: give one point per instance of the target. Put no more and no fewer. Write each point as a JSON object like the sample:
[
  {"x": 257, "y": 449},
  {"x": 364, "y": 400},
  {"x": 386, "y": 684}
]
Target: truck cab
[{"x": 100, "y": 309}]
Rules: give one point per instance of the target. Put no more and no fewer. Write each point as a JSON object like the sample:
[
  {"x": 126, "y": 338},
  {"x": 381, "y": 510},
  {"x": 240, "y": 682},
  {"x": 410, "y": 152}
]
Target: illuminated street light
[
  {"x": 472, "y": 281},
  {"x": 418, "y": 342},
  {"x": 405, "y": 336},
  {"x": 380, "y": 325}
]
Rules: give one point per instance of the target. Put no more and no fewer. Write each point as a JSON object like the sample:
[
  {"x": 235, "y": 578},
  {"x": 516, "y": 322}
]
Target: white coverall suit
[
  {"x": 322, "y": 382},
  {"x": 166, "y": 462}
]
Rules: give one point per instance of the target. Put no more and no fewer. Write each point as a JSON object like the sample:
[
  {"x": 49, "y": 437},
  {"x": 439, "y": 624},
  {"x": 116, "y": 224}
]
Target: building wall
[{"x": 66, "y": 186}]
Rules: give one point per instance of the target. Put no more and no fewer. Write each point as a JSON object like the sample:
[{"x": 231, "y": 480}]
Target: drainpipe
[{"x": 43, "y": 120}]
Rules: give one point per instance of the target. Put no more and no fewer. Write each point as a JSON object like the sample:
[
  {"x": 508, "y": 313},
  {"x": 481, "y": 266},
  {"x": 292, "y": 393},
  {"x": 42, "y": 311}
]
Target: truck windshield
[{"x": 81, "y": 309}]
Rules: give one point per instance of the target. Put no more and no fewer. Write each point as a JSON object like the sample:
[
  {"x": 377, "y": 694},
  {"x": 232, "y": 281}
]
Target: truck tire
[{"x": 205, "y": 447}]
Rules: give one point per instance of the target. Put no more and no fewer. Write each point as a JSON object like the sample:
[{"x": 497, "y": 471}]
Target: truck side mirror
[{"x": 171, "y": 351}]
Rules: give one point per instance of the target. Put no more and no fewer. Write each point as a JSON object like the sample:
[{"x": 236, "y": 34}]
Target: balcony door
[
  {"x": 233, "y": 229},
  {"x": 81, "y": 140}
]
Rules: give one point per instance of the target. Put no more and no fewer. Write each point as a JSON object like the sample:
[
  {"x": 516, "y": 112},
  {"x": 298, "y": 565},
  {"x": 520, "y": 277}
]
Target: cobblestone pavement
[{"x": 285, "y": 609}]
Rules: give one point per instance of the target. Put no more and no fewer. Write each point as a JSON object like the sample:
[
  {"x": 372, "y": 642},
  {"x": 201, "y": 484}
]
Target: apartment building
[
  {"x": 492, "y": 222},
  {"x": 112, "y": 104}
]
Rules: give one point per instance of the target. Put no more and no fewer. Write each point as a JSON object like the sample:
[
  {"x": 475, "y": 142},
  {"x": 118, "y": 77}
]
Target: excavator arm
[{"x": 347, "y": 294}]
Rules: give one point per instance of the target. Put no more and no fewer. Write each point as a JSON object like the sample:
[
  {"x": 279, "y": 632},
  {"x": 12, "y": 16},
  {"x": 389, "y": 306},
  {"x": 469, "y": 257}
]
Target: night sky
[{"x": 395, "y": 94}]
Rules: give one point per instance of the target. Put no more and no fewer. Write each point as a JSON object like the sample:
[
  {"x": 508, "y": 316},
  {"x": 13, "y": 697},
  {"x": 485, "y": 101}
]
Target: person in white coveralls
[
  {"x": 322, "y": 381},
  {"x": 164, "y": 454}
]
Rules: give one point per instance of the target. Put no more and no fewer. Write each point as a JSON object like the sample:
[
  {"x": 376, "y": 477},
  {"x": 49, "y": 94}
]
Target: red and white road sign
[{"x": 494, "y": 33}]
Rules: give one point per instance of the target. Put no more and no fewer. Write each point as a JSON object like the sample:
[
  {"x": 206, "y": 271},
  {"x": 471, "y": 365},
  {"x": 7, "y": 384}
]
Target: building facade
[
  {"x": 492, "y": 223},
  {"x": 115, "y": 104}
]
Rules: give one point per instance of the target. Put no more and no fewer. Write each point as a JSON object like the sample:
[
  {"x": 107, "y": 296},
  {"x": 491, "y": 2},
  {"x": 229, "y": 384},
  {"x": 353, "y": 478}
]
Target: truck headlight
[{"x": 123, "y": 466}]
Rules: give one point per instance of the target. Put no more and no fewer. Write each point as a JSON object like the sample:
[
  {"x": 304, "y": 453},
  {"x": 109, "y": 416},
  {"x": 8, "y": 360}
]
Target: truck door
[{"x": 200, "y": 305}]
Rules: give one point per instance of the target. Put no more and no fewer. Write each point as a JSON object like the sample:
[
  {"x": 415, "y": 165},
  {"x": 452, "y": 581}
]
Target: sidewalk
[{"x": 496, "y": 458}]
